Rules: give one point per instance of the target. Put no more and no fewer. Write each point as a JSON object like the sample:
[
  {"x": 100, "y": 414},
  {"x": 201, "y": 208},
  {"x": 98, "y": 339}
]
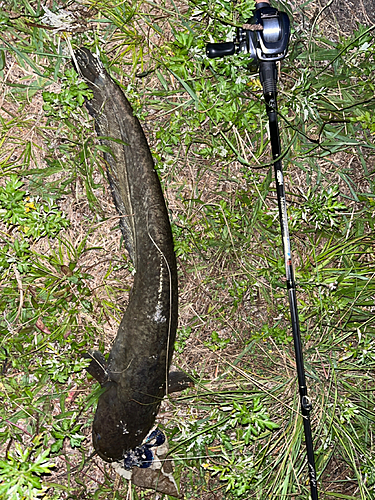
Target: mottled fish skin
[{"x": 139, "y": 361}]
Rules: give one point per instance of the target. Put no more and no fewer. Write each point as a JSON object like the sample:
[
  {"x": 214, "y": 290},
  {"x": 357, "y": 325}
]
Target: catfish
[{"x": 136, "y": 376}]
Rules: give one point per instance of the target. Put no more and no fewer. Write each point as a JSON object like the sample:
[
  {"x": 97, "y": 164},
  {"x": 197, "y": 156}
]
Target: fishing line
[{"x": 170, "y": 300}]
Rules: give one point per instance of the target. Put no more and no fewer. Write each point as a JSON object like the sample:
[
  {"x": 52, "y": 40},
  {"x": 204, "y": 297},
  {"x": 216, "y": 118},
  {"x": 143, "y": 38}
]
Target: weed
[{"x": 22, "y": 473}]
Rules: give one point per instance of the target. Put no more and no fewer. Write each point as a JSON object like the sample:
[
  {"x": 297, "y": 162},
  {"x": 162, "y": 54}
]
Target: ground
[{"x": 233, "y": 335}]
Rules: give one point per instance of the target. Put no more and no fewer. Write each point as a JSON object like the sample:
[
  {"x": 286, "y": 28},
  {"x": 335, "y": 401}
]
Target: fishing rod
[{"x": 265, "y": 38}]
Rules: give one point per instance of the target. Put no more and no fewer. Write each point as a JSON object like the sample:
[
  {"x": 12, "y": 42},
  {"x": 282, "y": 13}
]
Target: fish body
[{"x": 136, "y": 374}]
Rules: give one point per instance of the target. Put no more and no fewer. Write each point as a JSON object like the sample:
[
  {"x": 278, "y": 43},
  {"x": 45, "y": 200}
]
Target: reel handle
[{"x": 220, "y": 49}]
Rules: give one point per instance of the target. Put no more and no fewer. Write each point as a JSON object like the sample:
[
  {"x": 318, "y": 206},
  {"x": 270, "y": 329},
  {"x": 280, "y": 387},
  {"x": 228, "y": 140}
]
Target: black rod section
[{"x": 268, "y": 78}]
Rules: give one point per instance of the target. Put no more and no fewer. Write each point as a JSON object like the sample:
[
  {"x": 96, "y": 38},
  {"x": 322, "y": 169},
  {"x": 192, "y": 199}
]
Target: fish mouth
[{"x": 141, "y": 456}]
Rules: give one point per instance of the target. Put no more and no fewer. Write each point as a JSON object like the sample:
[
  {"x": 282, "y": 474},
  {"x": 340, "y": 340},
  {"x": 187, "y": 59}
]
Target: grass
[{"x": 66, "y": 277}]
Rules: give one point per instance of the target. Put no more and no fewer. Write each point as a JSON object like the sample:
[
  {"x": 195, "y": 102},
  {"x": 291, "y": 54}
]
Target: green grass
[{"x": 65, "y": 280}]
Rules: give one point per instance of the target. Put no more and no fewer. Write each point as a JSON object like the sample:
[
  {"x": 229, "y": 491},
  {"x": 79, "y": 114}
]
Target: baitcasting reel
[{"x": 265, "y": 38}]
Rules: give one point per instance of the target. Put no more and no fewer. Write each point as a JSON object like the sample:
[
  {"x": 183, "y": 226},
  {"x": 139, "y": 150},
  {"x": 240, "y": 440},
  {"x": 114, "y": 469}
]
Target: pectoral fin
[
  {"x": 178, "y": 381},
  {"x": 98, "y": 366}
]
